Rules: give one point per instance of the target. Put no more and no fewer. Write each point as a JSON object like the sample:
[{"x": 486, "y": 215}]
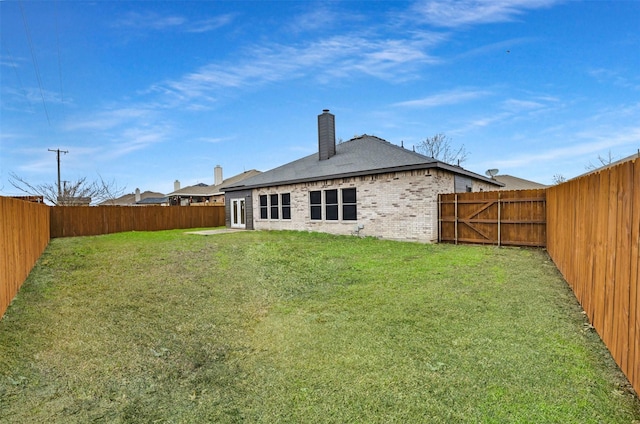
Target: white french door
[{"x": 237, "y": 213}]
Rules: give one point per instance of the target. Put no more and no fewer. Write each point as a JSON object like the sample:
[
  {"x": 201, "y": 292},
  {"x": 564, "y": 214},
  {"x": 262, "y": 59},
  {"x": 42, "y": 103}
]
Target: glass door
[{"x": 237, "y": 213}]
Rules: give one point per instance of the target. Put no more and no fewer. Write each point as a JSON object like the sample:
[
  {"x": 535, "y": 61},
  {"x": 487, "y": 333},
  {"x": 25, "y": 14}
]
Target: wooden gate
[{"x": 516, "y": 217}]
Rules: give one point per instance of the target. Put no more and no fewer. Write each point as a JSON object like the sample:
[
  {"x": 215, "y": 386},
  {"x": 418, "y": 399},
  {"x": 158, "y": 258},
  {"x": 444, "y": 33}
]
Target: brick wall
[{"x": 397, "y": 205}]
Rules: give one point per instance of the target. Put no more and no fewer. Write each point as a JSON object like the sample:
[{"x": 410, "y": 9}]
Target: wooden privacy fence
[
  {"x": 593, "y": 226},
  {"x": 24, "y": 234},
  {"x": 514, "y": 217},
  {"x": 72, "y": 221}
]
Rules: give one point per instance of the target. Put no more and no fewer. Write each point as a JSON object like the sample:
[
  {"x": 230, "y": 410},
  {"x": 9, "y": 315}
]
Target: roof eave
[{"x": 430, "y": 165}]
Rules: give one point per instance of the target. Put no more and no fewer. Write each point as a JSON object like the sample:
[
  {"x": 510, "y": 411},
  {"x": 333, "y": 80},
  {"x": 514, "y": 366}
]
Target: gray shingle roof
[
  {"x": 202, "y": 189},
  {"x": 130, "y": 199},
  {"x": 363, "y": 155},
  {"x": 514, "y": 183}
]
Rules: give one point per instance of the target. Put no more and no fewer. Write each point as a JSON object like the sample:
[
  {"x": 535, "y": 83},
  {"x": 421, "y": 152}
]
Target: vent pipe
[{"x": 326, "y": 135}]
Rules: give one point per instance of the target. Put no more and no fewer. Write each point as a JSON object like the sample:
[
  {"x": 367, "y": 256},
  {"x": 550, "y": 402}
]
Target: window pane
[
  {"x": 349, "y": 195},
  {"x": 316, "y": 212},
  {"x": 263, "y": 200},
  {"x": 332, "y": 212},
  {"x": 274, "y": 200},
  {"x": 263, "y": 213},
  {"x": 331, "y": 197},
  {"x": 315, "y": 197},
  {"x": 286, "y": 212},
  {"x": 349, "y": 212},
  {"x": 274, "y": 212},
  {"x": 285, "y": 198}
]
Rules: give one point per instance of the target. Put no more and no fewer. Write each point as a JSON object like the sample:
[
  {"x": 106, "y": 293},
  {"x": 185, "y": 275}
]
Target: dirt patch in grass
[{"x": 271, "y": 327}]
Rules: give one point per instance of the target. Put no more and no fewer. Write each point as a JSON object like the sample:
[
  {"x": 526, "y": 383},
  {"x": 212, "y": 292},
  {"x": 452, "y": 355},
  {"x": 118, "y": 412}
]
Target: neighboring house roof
[
  {"x": 200, "y": 189},
  {"x": 130, "y": 199},
  {"x": 211, "y": 190},
  {"x": 363, "y": 155},
  {"x": 153, "y": 201},
  {"x": 514, "y": 183}
]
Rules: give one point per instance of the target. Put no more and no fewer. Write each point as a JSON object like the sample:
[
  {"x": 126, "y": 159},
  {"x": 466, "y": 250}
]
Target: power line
[
  {"x": 35, "y": 61},
  {"x": 58, "y": 46},
  {"x": 15, "y": 68}
]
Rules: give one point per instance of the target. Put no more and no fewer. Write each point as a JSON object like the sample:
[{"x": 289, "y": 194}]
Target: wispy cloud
[
  {"x": 451, "y": 14},
  {"x": 336, "y": 57},
  {"x": 618, "y": 78},
  {"x": 157, "y": 22},
  {"x": 107, "y": 119},
  {"x": 321, "y": 17},
  {"x": 585, "y": 144},
  {"x": 150, "y": 20},
  {"x": 210, "y": 24},
  {"x": 212, "y": 140},
  {"x": 517, "y": 105},
  {"x": 445, "y": 98}
]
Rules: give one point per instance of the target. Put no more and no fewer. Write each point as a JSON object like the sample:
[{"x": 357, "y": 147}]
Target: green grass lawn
[{"x": 288, "y": 327}]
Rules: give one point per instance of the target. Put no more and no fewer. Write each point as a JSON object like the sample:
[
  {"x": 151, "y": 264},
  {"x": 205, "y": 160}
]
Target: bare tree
[
  {"x": 439, "y": 147},
  {"x": 76, "y": 192},
  {"x": 559, "y": 179},
  {"x": 604, "y": 161}
]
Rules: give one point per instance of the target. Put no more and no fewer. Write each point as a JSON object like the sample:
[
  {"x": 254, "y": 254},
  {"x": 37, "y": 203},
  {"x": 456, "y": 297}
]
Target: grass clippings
[{"x": 292, "y": 327}]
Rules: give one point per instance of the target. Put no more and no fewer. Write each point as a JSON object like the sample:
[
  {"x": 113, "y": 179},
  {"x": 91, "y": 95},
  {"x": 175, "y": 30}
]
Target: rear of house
[{"x": 364, "y": 186}]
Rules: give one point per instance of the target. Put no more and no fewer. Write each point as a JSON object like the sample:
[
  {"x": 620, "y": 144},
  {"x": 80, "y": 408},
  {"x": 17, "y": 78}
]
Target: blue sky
[{"x": 143, "y": 93}]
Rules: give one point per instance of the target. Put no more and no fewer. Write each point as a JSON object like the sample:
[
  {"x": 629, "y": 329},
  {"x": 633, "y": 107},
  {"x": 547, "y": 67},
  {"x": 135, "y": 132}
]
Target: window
[
  {"x": 274, "y": 206},
  {"x": 331, "y": 205},
  {"x": 285, "y": 200},
  {"x": 349, "y": 207},
  {"x": 263, "y": 207},
  {"x": 343, "y": 208},
  {"x": 315, "y": 201}
]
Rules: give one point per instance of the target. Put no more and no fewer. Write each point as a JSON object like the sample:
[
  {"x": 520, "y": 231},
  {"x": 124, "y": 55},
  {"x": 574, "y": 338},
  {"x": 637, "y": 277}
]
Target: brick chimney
[
  {"x": 326, "y": 135},
  {"x": 176, "y": 185},
  {"x": 217, "y": 175}
]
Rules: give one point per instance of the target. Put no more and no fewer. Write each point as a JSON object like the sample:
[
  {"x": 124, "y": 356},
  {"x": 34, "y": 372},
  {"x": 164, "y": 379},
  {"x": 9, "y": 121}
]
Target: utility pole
[{"x": 58, "y": 157}]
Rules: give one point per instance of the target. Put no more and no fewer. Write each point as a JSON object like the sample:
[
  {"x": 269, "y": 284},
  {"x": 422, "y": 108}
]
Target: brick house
[{"x": 365, "y": 185}]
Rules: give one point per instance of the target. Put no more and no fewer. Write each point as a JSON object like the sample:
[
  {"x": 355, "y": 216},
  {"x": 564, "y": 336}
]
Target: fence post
[
  {"x": 499, "y": 194},
  {"x": 440, "y": 218},
  {"x": 455, "y": 221}
]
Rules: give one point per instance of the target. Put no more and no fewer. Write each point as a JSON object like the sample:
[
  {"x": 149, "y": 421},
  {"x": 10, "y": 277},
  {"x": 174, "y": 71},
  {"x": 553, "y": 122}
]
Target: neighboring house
[
  {"x": 201, "y": 193},
  {"x": 31, "y": 198},
  {"x": 137, "y": 199},
  {"x": 514, "y": 183},
  {"x": 365, "y": 185},
  {"x": 74, "y": 201}
]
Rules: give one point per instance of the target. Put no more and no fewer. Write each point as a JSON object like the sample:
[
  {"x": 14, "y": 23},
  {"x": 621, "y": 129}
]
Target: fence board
[
  {"x": 515, "y": 217},
  {"x": 24, "y": 234},
  {"x": 593, "y": 227},
  {"x": 634, "y": 280},
  {"x": 73, "y": 221}
]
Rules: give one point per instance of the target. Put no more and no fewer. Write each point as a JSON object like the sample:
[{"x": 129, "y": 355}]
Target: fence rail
[
  {"x": 593, "y": 228},
  {"x": 24, "y": 234},
  {"x": 72, "y": 221},
  {"x": 516, "y": 217}
]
